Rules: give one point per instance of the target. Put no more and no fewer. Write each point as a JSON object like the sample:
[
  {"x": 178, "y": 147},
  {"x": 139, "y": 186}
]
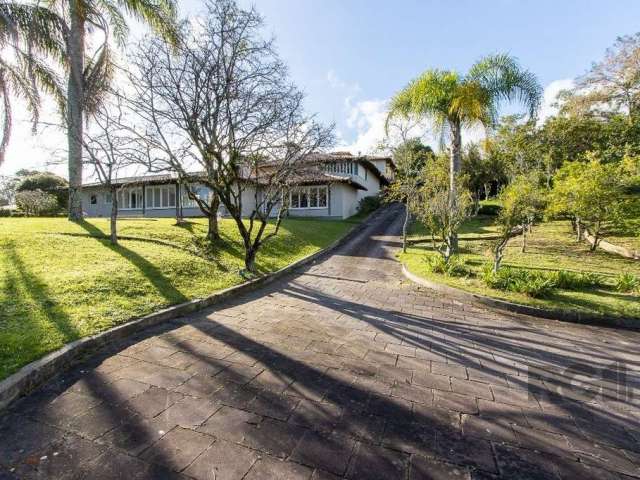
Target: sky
[{"x": 351, "y": 56}]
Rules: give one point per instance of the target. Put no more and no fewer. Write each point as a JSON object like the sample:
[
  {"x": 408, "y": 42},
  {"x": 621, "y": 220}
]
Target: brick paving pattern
[{"x": 343, "y": 370}]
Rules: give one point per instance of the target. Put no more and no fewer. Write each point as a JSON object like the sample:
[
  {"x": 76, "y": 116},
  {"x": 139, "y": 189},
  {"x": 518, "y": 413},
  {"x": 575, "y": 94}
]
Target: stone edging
[
  {"x": 39, "y": 371},
  {"x": 564, "y": 316}
]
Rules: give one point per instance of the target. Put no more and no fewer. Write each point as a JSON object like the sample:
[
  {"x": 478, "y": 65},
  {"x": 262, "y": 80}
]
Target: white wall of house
[{"x": 337, "y": 200}]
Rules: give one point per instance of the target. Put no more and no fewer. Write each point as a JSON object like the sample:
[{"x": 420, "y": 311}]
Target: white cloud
[{"x": 550, "y": 93}]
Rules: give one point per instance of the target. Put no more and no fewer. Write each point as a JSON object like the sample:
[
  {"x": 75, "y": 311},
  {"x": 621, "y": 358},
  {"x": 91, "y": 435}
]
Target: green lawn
[
  {"x": 59, "y": 282},
  {"x": 551, "y": 247}
]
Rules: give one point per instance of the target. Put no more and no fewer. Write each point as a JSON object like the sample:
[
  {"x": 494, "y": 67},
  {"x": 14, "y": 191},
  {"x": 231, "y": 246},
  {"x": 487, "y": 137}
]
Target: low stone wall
[{"x": 38, "y": 372}]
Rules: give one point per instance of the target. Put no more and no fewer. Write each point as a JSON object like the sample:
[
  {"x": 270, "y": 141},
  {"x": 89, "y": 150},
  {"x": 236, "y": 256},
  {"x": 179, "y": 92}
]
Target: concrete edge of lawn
[
  {"x": 40, "y": 371},
  {"x": 571, "y": 316}
]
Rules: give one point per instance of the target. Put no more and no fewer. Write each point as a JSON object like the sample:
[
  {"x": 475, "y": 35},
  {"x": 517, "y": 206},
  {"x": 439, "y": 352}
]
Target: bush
[
  {"x": 576, "y": 281},
  {"x": 533, "y": 284},
  {"x": 627, "y": 282},
  {"x": 490, "y": 209},
  {"x": 369, "y": 204},
  {"x": 454, "y": 268},
  {"x": 5, "y": 212},
  {"x": 48, "y": 183},
  {"x": 37, "y": 202}
]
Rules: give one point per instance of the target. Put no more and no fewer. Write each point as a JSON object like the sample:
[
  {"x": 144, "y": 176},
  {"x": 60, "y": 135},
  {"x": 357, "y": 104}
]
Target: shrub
[
  {"x": 455, "y": 267},
  {"x": 490, "y": 209},
  {"x": 5, "y": 212},
  {"x": 576, "y": 281},
  {"x": 48, "y": 183},
  {"x": 627, "y": 282},
  {"x": 533, "y": 284},
  {"x": 369, "y": 204},
  {"x": 36, "y": 202}
]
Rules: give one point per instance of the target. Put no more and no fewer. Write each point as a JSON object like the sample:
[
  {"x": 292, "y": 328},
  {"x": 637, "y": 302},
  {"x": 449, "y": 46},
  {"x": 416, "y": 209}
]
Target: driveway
[{"x": 343, "y": 370}]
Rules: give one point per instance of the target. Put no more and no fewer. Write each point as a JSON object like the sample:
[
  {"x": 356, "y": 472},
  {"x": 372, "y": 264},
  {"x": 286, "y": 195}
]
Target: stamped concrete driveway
[{"x": 343, "y": 370}]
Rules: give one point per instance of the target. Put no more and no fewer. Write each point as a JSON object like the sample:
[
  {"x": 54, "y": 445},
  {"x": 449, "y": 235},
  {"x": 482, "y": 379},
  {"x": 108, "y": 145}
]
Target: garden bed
[{"x": 551, "y": 247}]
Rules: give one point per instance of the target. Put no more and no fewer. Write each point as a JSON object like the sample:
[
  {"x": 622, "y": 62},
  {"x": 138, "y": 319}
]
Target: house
[{"x": 326, "y": 185}]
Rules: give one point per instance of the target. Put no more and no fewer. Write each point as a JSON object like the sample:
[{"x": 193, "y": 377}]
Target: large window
[
  {"x": 201, "y": 192},
  {"x": 130, "y": 198},
  {"x": 162, "y": 196},
  {"x": 309, "y": 197}
]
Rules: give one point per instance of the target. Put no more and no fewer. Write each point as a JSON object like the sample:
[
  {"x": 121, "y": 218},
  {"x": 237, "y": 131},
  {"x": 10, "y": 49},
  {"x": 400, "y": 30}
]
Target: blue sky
[{"x": 350, "y": 56}]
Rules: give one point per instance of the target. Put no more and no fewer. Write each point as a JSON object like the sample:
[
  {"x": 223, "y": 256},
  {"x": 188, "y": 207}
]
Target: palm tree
[
  {"x": 59, "y": 28},
  {"x": 88, "y": 76},
  {"x": 453, "y": 101},
  {"x": 29, "y": 35}
]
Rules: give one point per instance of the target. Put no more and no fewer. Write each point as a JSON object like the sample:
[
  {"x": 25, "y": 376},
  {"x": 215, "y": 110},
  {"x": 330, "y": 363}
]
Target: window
[
  {"x": 130, "y": 198},
  {"x": 107, "y": 198},
  {"x": 200, "y": 192},
  {"x": 161, "y": 196},
  {"x": 93, "y": 199},
  {"x": 309, "y": 197}
]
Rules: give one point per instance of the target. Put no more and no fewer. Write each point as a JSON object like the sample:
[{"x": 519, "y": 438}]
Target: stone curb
[
  {"x": 560, "y": 315},
  {"x": 39, "y": 371}
]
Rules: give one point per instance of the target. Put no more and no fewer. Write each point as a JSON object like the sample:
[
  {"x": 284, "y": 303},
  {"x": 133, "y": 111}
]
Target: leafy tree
[
  {"x": 612, "y": 85},
  {"x": 453, "y": 101},
  {"x": 36, "y": 202},
  {"x": 432, "y": 206},
  {"x": 593, "y": 195},
  {"x": 522, "y": 203},
  {"x": 410, "y": 158},
  {"x": 46, "y": 182},
  {"x": 7, "y": 189},
  {"x": 481, "y": 169}
]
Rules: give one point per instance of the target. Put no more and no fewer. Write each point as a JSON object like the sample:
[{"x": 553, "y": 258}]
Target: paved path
[{"x": 343, "y": 371}]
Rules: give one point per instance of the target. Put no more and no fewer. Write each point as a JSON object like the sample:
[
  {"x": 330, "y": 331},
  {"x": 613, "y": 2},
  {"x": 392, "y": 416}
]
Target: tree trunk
[
  {"x": 578, "y": 230},
  {"x": 454, "y": 170},
  {"x": 114, "y": 217},
  {"x": 213, "y": 233},
  {"x": 250, "y": 259},
  {"x": 75, "y": 106},
  {"x": 524, "y": 238},
  {"x": 404, "y": 228},
  {"x": 487, "y": 191},
  {"x": 498, "y": 254}
]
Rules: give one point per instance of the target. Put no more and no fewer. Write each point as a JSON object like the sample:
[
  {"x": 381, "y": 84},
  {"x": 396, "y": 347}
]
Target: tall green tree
[{"x": 453, "y": 101}]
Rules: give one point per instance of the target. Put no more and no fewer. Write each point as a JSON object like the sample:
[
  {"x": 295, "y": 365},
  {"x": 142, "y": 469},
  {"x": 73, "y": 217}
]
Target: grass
[
  {"x": 59, "y": 281},
  {"x": 550, "y": 247},
  {"x": 627, "y": 236}
]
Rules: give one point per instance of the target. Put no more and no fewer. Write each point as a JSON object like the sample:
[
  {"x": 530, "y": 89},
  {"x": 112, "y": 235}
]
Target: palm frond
[
  {"x": 98, "y": 73},
  {"x": 37, "y": 27},
  {"x": 503, "y": 77},
  {"x": 6, "y": 127},
  {"x": 160, "y": 15},
  {"x": 429, "y": 96}
]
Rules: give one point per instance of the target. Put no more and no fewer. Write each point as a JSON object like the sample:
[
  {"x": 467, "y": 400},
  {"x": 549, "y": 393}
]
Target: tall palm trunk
[
  {"x": 75, "y": 101},
  {"x": 454, "y": 170}
]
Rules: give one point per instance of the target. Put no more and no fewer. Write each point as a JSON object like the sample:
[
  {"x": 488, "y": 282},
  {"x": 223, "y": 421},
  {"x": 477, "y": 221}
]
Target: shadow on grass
[
  {"x": 163, "y": 285},
  {"x": 30, "y": 302}
]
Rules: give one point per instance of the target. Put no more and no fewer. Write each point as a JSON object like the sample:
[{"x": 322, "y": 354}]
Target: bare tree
[
  {"x": 109, "y": 148},
  {"x": 224, "y": 105}
]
